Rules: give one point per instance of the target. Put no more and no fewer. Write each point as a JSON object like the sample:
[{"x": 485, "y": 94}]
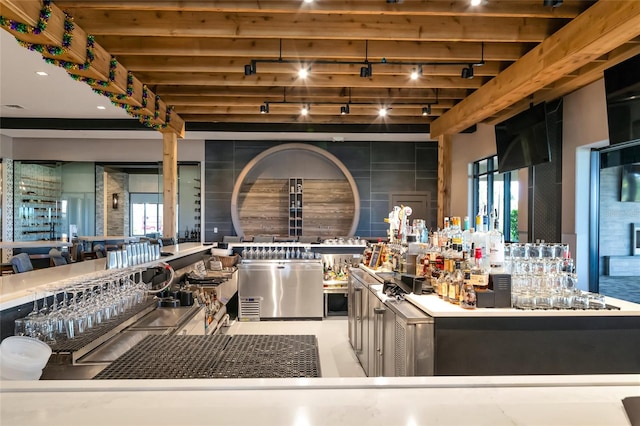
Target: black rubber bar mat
[{"x": 220, "y": 356}]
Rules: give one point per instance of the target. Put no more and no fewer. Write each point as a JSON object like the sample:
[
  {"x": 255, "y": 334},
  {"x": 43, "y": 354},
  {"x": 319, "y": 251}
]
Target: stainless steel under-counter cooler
[{"x": 280, "y": 289}]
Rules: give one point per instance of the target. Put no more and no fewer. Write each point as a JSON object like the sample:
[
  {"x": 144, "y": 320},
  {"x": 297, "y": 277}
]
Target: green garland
[
  {"x": 43, "y": 20},
  {"x": 67, "y": 37},
  {"x": 72, "y": 66},
  {"x": 116, "y": 97}
]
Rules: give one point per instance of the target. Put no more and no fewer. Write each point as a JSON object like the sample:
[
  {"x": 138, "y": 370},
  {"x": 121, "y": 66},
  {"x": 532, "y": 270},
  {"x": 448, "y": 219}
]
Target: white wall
[
  {"x": 6, "y": 146},
  {"x": 584, "y": 127},
  {"x": 467, "y": 148}
]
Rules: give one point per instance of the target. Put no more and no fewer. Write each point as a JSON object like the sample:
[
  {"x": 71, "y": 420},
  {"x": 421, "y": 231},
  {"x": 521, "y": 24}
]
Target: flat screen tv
[
  {"x": 622, "y": 86},
  {"x": 523, "y": 140},
  {"x": 630, "y": 187}
]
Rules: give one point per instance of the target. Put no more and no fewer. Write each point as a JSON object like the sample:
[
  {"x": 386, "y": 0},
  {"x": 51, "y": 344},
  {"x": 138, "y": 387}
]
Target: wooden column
[
  {"x": 170, "y": 184},
  {"x": 444, "y": 177}
]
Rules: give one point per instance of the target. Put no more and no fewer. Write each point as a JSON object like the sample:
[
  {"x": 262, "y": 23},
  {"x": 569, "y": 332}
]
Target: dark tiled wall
[{"x": 378, "y": 168}]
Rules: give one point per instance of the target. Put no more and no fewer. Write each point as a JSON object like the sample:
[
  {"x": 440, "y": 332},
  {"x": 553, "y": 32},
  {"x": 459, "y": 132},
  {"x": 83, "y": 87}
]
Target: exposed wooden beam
[
  {"x": 313, "y": 49},
  {"x": 216, "y": 101},
  {"x": 236, "y": 65},
  {"x": 586, "y": 75},
  {"x": 297, "y": 118},
  {"x": 381, "y": 81},
  {"x": 444, "y": 177},
  {"x": 169, "y": 184},
  {"x": 302, "y": 92},
  {"x": 603, "y": 27},
  {"x": 330, "y": 26}
]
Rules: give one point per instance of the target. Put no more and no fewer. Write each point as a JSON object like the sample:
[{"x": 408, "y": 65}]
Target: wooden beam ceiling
[
  {"x": 193, "y": 54},
  {"x": 602, "y": 28}
]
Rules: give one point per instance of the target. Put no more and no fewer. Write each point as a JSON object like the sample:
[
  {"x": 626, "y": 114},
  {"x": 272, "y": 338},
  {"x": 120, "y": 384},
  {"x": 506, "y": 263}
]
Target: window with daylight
[{"x": 494, "y": 191}]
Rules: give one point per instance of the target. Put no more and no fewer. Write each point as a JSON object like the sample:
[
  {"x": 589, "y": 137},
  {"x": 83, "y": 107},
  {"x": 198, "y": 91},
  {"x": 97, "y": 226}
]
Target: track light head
[
  {"x": 382, "y": 112},
  {"x": 552, "y": 3},
  {"x": 426, "y": 110},
  {"x": 249, "y": 69},
  {"x": 305, "y": 110},
  {"x": 416, "y": 72},
  {"x": 264, "y": 109},
  {"x": 344, "y": 110},
  {"x": 467, "y": 72},
  {"x": 366, "y": 71}
]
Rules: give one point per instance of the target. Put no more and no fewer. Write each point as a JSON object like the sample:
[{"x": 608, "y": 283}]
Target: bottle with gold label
[{"x": 454, "y": 285}]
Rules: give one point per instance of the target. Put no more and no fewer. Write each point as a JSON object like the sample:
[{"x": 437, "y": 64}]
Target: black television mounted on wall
[{"x": 523, "y": 140}]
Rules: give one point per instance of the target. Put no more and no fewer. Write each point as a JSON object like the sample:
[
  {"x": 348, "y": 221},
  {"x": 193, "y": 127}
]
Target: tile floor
[{"x": 337, "y": 358}]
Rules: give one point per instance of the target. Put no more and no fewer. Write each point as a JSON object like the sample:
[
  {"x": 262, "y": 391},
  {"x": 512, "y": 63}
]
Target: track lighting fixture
[
  {"x": 264, "y": 109},
  {"x": 426, "y": 110},
  {"x": 382, "y": 112},
  {"x": 552, "y": 3},
  {"x": 344, "y": 110},
  {"x": 366, "y": 71},
  {"x": 303, "y": 72},
  {"x": 305, "y": 110},
  {"x": 416, "y": 72},
  {"x": 250, "y": 69},
  {"x": 467, "y": 72}
]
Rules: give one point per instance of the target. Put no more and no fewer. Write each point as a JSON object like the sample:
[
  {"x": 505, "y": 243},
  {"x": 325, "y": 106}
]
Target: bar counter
[
  {"x": 17, "y": 289},
  {"x": 530, "y": 400}
]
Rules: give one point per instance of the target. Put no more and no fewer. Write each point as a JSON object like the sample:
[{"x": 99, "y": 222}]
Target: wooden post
[
  {"x": 444, "y": 177},
  {"x": 170, "y": 184}
]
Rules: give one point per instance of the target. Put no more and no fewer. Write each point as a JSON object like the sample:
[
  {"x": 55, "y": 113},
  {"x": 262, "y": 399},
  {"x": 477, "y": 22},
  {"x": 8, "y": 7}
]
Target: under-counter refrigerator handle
[
  {"x": 379, "y": 327},
  {"x": 358, "y": 305}
]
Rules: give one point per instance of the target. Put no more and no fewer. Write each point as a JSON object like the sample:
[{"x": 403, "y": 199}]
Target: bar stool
[
  {"x": 21, "y": 263},
  {"x": 6, "y": 268}
]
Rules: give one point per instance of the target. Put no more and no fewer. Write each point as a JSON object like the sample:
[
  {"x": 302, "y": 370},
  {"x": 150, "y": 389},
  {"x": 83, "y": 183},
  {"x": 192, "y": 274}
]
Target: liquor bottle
[
  {"x": 479, "y": 276},
  {"x": 468, "y": 299},
  {"x": 496, "y": 246},
  {"x": 467, "y": 239},
  {"x": 455, "y": 284}
]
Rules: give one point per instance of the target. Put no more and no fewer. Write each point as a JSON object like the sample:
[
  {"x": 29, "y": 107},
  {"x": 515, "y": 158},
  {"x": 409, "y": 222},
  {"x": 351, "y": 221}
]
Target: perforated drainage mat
[{"x": 199, "y": 357}]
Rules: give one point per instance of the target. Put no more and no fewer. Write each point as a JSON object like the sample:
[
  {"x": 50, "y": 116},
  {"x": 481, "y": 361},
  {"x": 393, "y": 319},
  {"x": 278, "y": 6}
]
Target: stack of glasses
[
  {"x": 542, "y": 277},
  {"x": 85, "y": 302}
]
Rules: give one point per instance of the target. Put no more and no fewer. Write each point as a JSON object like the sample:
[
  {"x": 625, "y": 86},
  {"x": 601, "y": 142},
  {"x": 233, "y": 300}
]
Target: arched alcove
[{"x": 260, "y": 202}]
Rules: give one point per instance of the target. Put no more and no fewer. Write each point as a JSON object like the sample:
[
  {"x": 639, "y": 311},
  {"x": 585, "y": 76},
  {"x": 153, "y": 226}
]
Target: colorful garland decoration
[
  {"x": 67, "y": 37},
  {"x": 72, "y": 66},
  {"x": 117, "y": 97},
  {"x": 43, "y": 20}
]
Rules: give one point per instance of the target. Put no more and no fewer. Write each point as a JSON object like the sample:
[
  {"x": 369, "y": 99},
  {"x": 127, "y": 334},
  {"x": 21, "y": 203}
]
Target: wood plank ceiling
[{"x": 194, "y": 54}]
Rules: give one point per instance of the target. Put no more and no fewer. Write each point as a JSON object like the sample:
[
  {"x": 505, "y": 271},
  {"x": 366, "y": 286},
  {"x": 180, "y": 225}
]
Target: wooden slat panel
[
  {"x": 328, "y": 207},
  {"x": 263, "y": 207}
]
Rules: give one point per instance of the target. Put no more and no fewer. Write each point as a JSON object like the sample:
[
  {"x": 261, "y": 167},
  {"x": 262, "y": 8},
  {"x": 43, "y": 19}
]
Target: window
[{"x": 496, "y": 191}]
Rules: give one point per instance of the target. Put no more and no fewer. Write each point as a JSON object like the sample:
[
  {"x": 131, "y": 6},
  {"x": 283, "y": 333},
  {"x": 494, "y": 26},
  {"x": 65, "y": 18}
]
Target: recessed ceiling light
[
  {"x": 383, "y": 112},
  {"x": 303, "y": 73},
  {"x": 308, "y": 1},
  {"x": 101, "y": 107},
  {"x": 476, "y": 2},
  {"x": 42, "y": 73}
]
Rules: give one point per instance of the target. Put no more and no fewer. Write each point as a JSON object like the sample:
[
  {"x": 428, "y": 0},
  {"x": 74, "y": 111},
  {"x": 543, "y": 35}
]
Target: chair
[
  {"x": 56, "y": 258},
  {"x": 87, "y": 255},
  {"x": 21, "y": 263},
  {"x": 6, "y": 268}
]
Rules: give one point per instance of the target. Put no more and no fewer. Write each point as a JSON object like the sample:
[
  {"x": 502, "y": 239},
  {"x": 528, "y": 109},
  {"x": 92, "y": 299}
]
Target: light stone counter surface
[
  {"x": 17, "y": 289},
  {"x": 34, "y": 244},
  {"x": 505, "y": 400},
  {"x": 436, "y": 307}
]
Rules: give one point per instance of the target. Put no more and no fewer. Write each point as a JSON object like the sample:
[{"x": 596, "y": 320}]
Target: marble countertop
[
  {"x": 17, "y": 289},
  {"x": 34, "y": 244},
  {"x": 436, "y": 307},
  {"x": 504, "y": 400},
  {"x": 92, "y": 238}
]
